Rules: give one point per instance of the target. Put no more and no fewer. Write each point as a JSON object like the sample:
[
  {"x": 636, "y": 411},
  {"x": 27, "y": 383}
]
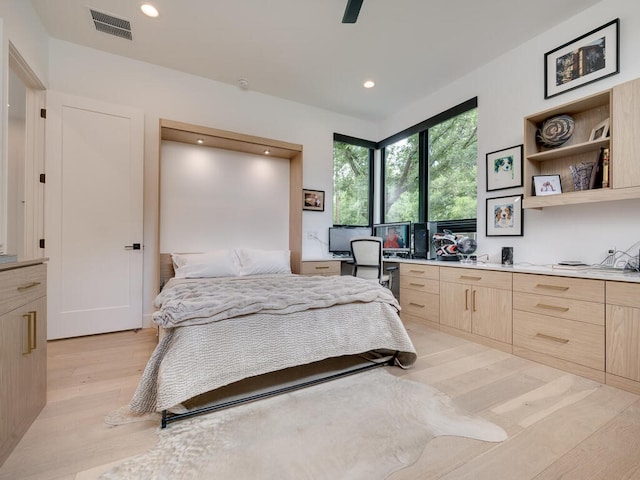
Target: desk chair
[{"x": 367, "y": 260}]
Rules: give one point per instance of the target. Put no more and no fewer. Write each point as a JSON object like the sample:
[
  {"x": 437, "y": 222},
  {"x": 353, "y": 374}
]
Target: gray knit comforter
[{"x": 220, "y": 331}]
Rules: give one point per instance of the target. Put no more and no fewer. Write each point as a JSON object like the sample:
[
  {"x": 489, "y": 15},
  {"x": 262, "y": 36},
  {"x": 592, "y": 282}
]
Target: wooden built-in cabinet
[
  {"x": 23, "y": 352},
  {"x": 623, "y": 335},
  {"x": 621, "y": 105},
  {"x": 589, "y": 327},
  {"x": 559, "y": 321},
  {"x": 321, "y": 267},
  {"x": 478, "y": 302},
  {"x": 420, "y": 293}
]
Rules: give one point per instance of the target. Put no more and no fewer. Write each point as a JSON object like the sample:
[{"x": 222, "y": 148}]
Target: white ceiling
[{"x": 300, "y": 50}]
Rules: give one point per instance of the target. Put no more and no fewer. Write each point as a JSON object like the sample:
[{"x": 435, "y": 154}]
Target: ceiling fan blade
[{"x": 352, "y": 11}]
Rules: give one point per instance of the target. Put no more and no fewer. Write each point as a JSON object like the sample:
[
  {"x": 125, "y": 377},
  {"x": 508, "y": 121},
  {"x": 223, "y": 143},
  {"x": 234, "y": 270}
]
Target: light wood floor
[{"x": 560, "y": 425}]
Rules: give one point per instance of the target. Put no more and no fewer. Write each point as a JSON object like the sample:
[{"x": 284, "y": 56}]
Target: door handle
[{"x": 135, "y": 246}]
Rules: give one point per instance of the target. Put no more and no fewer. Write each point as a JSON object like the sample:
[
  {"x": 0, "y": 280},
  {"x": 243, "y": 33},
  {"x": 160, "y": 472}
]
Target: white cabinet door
[{"x": 93, "y": 212}]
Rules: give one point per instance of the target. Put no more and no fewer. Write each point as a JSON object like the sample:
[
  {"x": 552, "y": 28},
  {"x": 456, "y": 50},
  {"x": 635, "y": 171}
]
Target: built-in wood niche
[{"x": 187, "y": 133}]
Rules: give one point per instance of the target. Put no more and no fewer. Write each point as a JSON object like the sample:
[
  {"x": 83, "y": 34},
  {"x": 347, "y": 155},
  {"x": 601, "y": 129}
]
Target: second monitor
[{"x": 396, "y": 238}]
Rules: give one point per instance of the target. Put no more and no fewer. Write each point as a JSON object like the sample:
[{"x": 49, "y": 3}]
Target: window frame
[
  {"x": 372, "y": 146},
  {"x": 422, "y": 129}
]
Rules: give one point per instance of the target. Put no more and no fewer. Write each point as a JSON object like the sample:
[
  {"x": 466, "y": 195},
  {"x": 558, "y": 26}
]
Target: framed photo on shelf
[
  {"x": 600, "y": 131},
  {"x": 504, "y": 168},
  {"x": 547, "y": 185},
  {"x": 313, "y": 200},
  {"x": 504, "y": 216},
  {"x": 590, "y": 57}
]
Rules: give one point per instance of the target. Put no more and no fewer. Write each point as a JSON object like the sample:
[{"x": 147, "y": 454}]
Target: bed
[{"x": 239, "y": 327}]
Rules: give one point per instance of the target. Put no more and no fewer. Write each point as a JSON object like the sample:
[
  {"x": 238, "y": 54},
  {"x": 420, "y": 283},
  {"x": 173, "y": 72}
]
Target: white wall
[
  {"x": 510, "y": 88},
  {"x": 165, "y": 93},
  {"x": 217, "y": 199}
]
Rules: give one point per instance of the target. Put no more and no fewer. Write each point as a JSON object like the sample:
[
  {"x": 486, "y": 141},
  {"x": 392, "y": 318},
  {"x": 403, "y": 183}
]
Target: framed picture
[
  {"x": 504, "y": 168},
  {"x": 547, "y": 185},
  {"x": 590, "y": 57},
  {"x": 504, "y": 216},
  {"x": 313, "y": 200},
  {"x": 600, "y": 131}
]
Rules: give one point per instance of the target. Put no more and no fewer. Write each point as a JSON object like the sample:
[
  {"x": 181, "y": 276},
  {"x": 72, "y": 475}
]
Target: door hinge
[
  {"x": 43, "y": 113},
  {"x": 43, "y": 178},
  {"x": 41, "y": 243}
]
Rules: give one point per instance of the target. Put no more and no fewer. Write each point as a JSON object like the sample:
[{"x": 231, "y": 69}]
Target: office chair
[{"x": 367, "y": 260}]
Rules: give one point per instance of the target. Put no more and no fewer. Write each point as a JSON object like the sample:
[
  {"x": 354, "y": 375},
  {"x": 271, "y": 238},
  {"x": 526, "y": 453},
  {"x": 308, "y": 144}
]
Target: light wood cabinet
[
  {"x": 621, "y": 105},
  {"x": 321, "y": 267},
  {"x": 478, "y": 302},
  {"x": 623, "y": 335},
  {"x": 420, "y": 293},
  {"x": 23, "y": 352},
  {"x": 559, "y": 321}
]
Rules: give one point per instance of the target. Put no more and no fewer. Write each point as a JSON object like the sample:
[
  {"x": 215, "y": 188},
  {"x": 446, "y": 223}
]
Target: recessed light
[
  {"x": 149, "y": 10},
  {"x": 267, "y": 152},
  {"x": 369, "y": 84},
  {"x": 200, "y": 141}
]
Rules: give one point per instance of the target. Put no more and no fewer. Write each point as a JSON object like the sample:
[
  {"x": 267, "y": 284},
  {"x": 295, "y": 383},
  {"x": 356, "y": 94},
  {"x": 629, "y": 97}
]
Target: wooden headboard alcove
[{"x": 220, "y": 139}]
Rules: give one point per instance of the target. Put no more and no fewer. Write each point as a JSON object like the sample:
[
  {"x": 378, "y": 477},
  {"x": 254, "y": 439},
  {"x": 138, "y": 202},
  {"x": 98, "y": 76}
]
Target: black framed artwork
[
  {"x": 313, "y": 200},
  {"x": 505, "y": 216},
  {"x": 583, "y": 60},
  {"x": 504, "y": 168}
]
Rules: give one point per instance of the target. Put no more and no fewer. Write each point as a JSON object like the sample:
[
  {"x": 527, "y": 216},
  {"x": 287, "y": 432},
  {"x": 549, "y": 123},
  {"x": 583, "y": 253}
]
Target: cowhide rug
[{"x": 364, "y": 426}]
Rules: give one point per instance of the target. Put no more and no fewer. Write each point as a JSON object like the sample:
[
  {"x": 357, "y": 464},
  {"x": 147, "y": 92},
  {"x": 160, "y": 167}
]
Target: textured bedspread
[
  {"x": 214, "y": 352},
  {"x": 211, "y": 300}
]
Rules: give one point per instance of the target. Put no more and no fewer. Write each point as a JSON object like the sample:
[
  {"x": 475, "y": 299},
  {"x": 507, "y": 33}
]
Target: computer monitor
[
  {"x": 396, "y": 238},
  {"x": 340, "y": 238}
]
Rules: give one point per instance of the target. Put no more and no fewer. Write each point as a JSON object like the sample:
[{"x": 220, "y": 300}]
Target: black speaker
[{"x": 420, "y": 240}]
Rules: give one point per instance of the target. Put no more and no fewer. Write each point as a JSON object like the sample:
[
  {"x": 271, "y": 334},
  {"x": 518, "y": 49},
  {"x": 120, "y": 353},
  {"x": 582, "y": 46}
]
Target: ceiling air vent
[{"x": 112, "y": 25}]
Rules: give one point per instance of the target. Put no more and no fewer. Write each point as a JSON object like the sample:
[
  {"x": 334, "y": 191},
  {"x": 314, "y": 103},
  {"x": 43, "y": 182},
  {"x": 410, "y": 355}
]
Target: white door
[{"x": 93, "y": 216}]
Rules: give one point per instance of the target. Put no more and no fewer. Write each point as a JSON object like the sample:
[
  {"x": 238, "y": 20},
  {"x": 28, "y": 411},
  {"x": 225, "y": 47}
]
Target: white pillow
[
  {"x": 263, "y": 262},
  {"x": 220, "y": 263}
]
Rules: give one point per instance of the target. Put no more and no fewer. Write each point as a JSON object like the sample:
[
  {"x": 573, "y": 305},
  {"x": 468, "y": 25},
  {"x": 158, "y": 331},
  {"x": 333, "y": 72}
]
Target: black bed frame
[{"x": 168, "y": 417}]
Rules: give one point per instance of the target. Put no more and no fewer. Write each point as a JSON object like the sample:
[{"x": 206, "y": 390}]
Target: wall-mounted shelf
[{"x": 621, "y": 105}]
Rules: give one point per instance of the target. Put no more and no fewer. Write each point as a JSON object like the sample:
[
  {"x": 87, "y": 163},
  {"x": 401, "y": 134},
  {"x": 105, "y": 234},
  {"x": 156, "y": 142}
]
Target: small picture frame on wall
[
  {"x": 504, "y": 216},
  {"x": 313, "y": 200},
  {"x": 504, "y": 168},
  {"x": 586, "y": 59},
  {"x": 600, "y": 131},
  {"x": 547, "y": 185}
]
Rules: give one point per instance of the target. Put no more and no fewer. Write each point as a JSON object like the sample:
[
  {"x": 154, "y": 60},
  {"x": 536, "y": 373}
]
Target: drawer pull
[
  {"x": 416, "y": 305},
  {"x": 468, "y": 277},
  {"x": 27, "y": 286},
  {"x": 552, "y": 287},
  {"x": 417, "y": 284},
  {"x": 27, "y": 349},
  {"x": 416, "y": 271},
  {"x": 552, "y": 338},
  {"x": 552, "y": 307},
  {"x": 322, "y": 268}
]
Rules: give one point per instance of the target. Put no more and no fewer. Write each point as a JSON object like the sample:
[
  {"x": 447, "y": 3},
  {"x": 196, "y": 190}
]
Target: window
[
  {"x": 401, "y": 185},
  {"x": 352, "y": 181},
  {"x": 430, "y": 169}
]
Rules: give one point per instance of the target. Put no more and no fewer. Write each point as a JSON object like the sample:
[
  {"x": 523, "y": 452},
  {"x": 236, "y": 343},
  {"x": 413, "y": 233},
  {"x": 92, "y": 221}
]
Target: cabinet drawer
[
  {"x": 469, "y": 276},
  {"x": 419, "y": 284},
  {"x": 555, "y": 286},
  {"x": 576, "y": 342},
  {"x": 21, "y": 286},
  {"x": 623, "y": 294},
  {"x": 321, "y": 268},
  {"x": 589, "y": 312},
  {"x": 420, "y": 271},
  {"x": 419, "y": 304}
]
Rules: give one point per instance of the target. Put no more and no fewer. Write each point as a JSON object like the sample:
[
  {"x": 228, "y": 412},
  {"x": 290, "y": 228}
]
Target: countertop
[{"x": 592, "y": 272}]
